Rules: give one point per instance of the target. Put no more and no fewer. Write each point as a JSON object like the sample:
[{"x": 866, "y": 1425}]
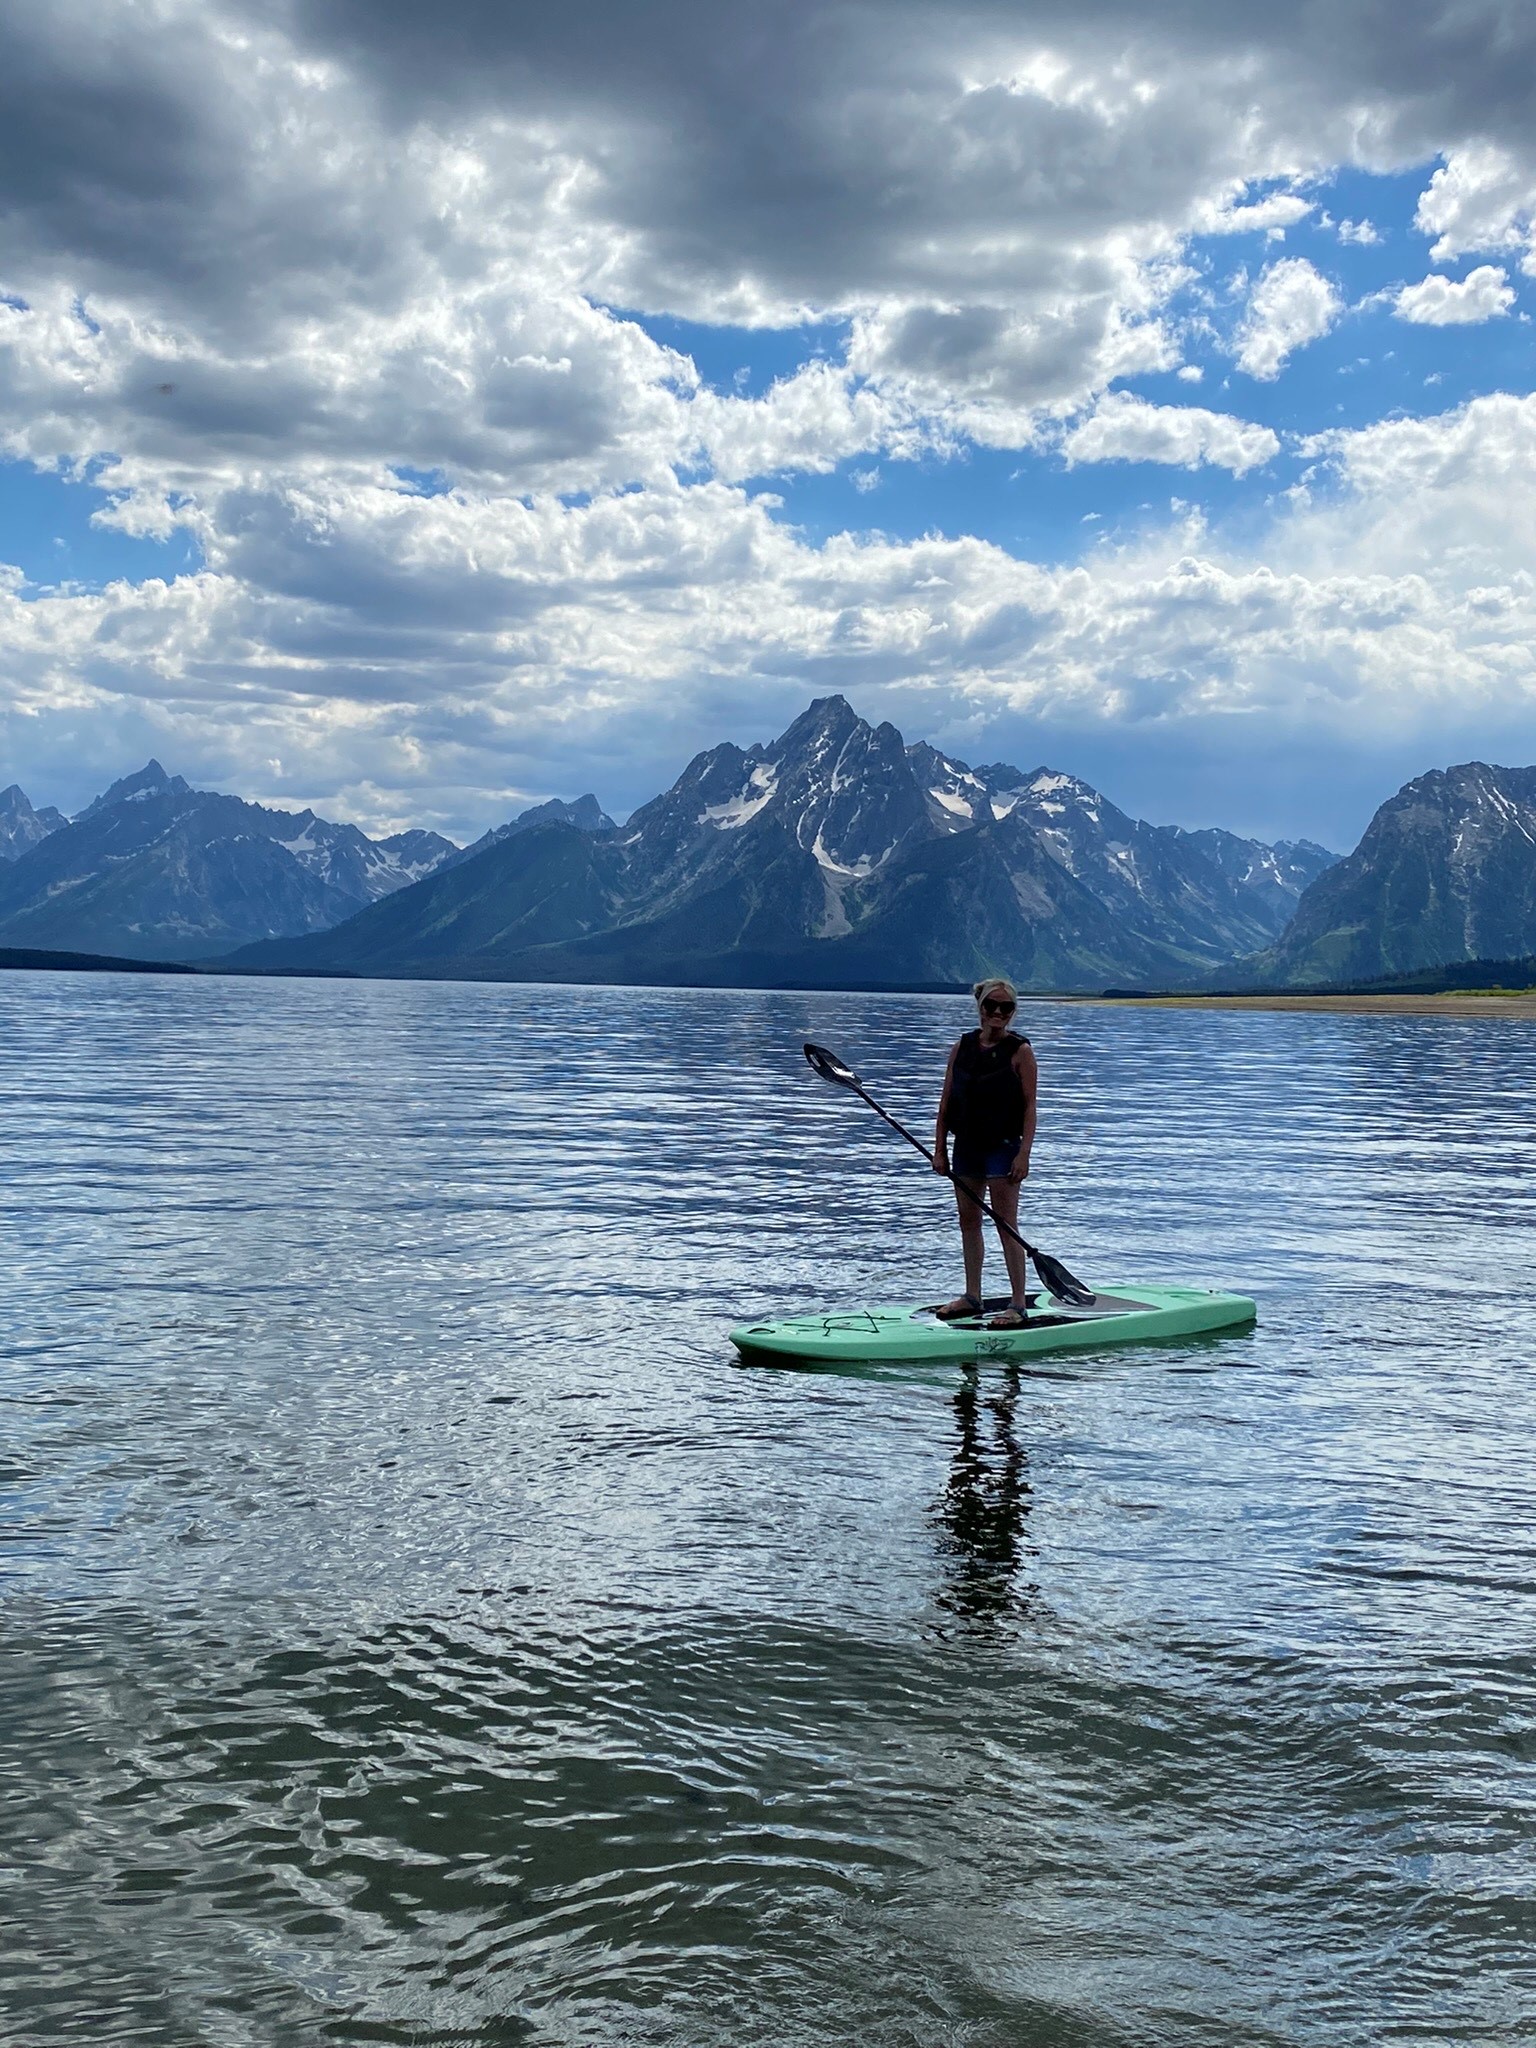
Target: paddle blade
[
  {"x": 830, "y": 1067},
  {"x": 1059, "y": 1282}
]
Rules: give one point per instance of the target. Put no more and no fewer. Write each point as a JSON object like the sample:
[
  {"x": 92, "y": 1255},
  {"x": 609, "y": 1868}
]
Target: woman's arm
[
  {"x": 1028, "y": 1071},
  {"x": 941, "y": 1123}
]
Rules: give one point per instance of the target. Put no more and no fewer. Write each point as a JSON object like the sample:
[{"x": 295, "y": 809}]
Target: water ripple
[{"x": 420, "y": 1630}]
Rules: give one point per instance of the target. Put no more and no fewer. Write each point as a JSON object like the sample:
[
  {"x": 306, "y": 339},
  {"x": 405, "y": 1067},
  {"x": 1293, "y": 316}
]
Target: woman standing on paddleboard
[{"x": 988, "y": 1107}]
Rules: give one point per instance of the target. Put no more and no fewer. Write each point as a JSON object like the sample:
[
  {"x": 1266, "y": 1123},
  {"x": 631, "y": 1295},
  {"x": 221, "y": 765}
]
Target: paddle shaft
[{"x": 975, "y": 1194}]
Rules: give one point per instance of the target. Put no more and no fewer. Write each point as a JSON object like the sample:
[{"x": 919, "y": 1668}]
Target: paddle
[{"x": 1054, "y": 1275}]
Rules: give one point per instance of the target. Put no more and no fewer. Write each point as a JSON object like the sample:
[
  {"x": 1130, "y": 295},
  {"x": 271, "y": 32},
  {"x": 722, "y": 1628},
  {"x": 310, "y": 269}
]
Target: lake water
[{"x": 419, "y": 1629}]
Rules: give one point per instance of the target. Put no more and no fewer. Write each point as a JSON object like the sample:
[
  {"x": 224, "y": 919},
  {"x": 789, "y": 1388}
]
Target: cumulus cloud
[
  {"x": 1272, "y": 214},
  {"x": 1483, "y": 294},
  {"x": 809, "y": 422},
  {"x": 259, "y": 260},
  {"x": 1483, "y": 197},
  {"x": 375, "y": 229},
  {"x": 1123, "y": 428},
  {"x": 501, "y": 385},
  {"x": 1291, "y": 304},
  {"x": 995, "y": 378},
  {"x": 333, "y": 620},
  {"x": 1483, "y": 452}
]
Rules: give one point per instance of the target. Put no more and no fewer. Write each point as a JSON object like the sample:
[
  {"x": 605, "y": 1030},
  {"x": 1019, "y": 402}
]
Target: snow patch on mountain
[
  {"x": 856, "y": 871},
  {"x": 762, "y": 786},
  {"x": 955, "y": 804}
]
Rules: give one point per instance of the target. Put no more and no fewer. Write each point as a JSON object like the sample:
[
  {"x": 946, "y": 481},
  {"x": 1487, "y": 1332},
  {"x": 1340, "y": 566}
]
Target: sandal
[
  {"x": 958, "y": 1310},
  {"x": 1012, "y": 1318}
]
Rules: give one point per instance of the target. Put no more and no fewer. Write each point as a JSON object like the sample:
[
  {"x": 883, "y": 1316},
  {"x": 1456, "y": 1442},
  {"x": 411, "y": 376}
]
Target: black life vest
[{"x": 986, "y": 1096}]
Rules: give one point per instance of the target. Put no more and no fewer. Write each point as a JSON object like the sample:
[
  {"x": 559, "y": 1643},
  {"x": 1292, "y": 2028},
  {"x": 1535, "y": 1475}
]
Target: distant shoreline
[
  {"x": 47, "y": 960},
  {"x": 1443, "y": 1003},
  {"x": 1458, "y": 1003}
]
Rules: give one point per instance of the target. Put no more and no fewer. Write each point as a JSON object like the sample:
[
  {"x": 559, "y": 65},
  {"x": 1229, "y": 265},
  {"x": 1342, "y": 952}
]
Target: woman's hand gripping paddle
[{"x": 1053, "y": 1274}]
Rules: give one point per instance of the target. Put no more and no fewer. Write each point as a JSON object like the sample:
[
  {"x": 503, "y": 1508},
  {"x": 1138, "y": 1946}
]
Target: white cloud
[
  {"x": 507, "y": 381},
  {"x": 1482, "y": 453},
  {"x": 1126, "y": 429},
  {"x": 1279, "y": 210},
  {"x": 333, "y": 618},
  {"x": 1363, "y": 233},
  {"x": 259, "y": 257},
  {"x": 1190, "y": 373},
  {"x": 1483, "y": 197},
  {"x": 808, "y": 422},
  {"x": 1291, "y": 305},
  {"x": 1483, "y": 294}
]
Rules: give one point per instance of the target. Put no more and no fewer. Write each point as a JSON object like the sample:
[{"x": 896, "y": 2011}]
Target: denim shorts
[{"x": 976, "y": 1165}]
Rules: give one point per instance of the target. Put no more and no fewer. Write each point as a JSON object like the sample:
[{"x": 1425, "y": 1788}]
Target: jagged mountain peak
[
  {"x": 832, "y": 851},
  {"x": 840, "y": 788},
  {"x": 824, "y": 720},
  {"x": 963, "y": 796},
  {"x": 1046, "y": 782},
  {"x": 22, "y": 827},
  {"x": 151, "y": 781},
  {"x": 843, "y": 789},
  {"x": 417, "y": 851},
  {"x": 1049, "y": 790},
  {"x": 585, "y": 813},
  {"x": 1471, "y": 776},
  {"x": 957, "y": 798},
  {"x": 1305, "y": 849},
  {"x": 1479, "y": 795}
]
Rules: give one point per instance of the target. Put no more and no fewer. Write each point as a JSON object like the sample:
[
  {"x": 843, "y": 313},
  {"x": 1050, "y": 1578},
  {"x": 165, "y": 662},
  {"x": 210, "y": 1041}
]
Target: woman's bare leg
[
  {"x": 1004, "y": 1196},
  {"x": 971, "y": 1239}
]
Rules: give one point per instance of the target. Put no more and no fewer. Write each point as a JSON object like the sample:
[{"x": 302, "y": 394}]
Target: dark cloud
[
  {"x": 842, "y": 152},
  {"x": 278, "y": 196}
]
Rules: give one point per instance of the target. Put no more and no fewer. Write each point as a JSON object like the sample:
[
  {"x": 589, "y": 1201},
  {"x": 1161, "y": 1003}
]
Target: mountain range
[
  {"x": 154, "y": 869},
  {"x": 835, "y": 855}
]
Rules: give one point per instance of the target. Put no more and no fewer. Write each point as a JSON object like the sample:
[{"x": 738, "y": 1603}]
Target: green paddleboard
[{"x": 866, "y": 1336}]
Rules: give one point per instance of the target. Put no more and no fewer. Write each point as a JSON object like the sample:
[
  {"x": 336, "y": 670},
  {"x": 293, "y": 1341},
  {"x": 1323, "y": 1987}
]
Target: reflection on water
[
  {"x": 985, "y": 1500},
  {"x": 418, "y": 1628}
]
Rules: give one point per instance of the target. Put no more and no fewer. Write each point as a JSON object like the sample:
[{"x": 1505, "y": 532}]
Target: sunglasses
[{"x": 991, "y": 1007}]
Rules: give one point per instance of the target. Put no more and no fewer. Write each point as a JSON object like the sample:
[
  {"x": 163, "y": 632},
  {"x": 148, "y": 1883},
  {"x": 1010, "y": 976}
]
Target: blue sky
[
  {"x": 49, "y": 529},
  {"x": 419, "y": 438},
  {"x": 1370, "y": 367}
]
